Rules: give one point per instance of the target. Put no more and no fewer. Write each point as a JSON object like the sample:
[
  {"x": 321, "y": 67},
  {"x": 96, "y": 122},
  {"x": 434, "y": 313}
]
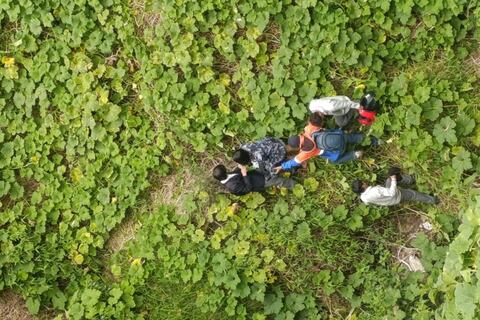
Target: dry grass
[
  {"x": 175, "y": 188},
  {"x": 170, "y": 190},
  {"x": 410, "y": 223},
  {"x": 12, "y": 307},
  {"x": 271, "y": 35},
  {"x": 123, "y": 233},
  {"x": 474, "y": 62},
  {"x": 144, "y": 18}
]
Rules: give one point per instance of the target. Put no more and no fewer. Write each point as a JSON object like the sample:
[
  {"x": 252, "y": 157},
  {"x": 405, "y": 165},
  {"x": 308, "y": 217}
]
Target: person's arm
[
  {"x": 246, "y": 180},
  {"x": 392, "y": 190},
  {"x": 241, "y": 186},
  {"x": 299, "y": 159},
  {"x": 290, "y": 164},
  {"x": 364, "y": 198}
]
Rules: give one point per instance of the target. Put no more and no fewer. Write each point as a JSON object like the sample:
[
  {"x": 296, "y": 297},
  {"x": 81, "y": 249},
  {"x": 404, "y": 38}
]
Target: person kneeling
[
  {"x": 240, "y": 181},
  {"x": 391, "y": 195}
]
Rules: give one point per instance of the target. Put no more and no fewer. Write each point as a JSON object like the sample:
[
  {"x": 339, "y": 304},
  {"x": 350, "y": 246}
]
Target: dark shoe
[
  {"x": 375, "y": 142},
  {"x": 436, "y": 200}
]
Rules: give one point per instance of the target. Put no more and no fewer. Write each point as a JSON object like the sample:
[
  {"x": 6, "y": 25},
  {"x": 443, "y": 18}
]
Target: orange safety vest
[{"x": 304, "y": 155}]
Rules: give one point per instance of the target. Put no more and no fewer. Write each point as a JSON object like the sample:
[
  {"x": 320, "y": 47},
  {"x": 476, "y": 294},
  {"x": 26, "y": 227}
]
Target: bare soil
[{"x": 12, "y": 307}]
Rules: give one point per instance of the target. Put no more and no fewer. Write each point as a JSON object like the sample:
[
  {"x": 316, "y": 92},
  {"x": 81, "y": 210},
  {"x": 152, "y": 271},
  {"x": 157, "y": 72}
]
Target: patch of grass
[{"x": 166, "y": 300}]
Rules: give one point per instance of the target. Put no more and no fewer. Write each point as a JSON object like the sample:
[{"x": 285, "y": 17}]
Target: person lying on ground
[
  {"x": 240, "y": 181},
  {"x": 390, "y": 194},
  {"x": 345, "y": 110},
  {"x": 263, "y": 155},
  {"x": 329, "y": 144}
]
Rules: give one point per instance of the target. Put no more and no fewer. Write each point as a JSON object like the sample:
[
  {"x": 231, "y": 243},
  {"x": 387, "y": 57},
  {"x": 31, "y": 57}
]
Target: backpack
[{"x": 331, "y": 141}]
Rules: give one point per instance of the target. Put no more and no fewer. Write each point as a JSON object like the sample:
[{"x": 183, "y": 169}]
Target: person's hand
[
  {"x": 394, "y": 178},
  {"x": 394, "y": 171},
  {"x": 243, "y": 169},
  {"x": 277, "y": 169}
]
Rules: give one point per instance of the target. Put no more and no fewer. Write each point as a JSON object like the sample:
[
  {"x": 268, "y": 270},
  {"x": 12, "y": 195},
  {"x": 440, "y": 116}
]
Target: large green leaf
[{"x": 445, "y": 131}]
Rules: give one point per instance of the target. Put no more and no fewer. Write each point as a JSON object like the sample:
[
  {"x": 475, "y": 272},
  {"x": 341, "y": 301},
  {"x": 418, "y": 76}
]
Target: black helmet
[{"x": 369, "y": 103}]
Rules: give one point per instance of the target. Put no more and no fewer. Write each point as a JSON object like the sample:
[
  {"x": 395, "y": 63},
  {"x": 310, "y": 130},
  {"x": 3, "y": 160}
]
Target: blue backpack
[{"x": 330, "y": 140}]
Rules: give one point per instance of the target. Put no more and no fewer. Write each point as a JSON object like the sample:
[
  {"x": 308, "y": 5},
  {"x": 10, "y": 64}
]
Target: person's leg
[
  {"x": 347, "y": 156},
  {"x": 354, "y": 138},
  {"x": 412, "y": 195},
  {"x": 406, "y": 180},
  {"x": 344, "y": 120},
  {"x": 279, "y": 181},
  {"x": 374, "y": 141}
]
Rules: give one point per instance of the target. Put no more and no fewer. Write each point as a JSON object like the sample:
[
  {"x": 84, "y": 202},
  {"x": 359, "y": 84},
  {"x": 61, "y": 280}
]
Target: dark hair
[
  {"x": 241, "y": 157},
  {"x": 357, "y": 186},
  {"x": 220, "y": 172},
  {"x": 316, "y": 120},
  {"x": 294, "y": 142},
  {"x": 369, "y": 103}
]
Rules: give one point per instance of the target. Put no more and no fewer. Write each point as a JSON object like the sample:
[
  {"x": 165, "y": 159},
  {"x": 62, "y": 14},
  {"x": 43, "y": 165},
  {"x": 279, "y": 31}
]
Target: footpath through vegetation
[{"x": 113, "y": 113}]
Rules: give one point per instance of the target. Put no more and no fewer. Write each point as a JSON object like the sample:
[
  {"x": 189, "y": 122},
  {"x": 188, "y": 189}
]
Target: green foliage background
[{"x": 95, "y": 99}]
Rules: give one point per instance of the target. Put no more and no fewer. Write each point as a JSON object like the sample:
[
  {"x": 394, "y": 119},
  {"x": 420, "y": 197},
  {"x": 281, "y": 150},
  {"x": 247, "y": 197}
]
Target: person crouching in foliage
[
  {"x": 240, "y": 181},
  {"x": 391, "y": 195},
  {"x": 345, "y": 110},
  {"x": 263, "y": 155},
  {"x": 328, "y": 144}
]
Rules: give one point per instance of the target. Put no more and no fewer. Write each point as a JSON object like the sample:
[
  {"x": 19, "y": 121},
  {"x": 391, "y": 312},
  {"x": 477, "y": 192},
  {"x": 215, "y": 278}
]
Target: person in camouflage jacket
[{"x": 263, "y": 155}]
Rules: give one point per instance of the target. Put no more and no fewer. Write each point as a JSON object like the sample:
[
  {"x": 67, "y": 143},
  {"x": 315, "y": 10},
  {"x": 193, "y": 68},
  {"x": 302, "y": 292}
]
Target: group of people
[{"x": 260, "y": 163}]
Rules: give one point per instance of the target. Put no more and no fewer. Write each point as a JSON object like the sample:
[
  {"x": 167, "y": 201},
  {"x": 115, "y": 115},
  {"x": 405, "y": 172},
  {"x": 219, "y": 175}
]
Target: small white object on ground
[
  {"x": 408, "y": 256},
  {"x": 427, "y": 226}
]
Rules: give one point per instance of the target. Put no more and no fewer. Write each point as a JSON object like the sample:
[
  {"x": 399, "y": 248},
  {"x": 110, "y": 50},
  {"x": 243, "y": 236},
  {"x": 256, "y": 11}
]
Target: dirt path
[{"x": 12, "y": 307}]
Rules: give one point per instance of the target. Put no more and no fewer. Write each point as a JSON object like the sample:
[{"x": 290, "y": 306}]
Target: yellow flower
[
  {"x": 103, "y": 99},
  {"x": 137, "y": 262},
  {"x": 271, "y": 278},
  {"x": 78, "y": 259},
  {"x": 76, "y": 175},
  {"x": 8, "y": 61}
]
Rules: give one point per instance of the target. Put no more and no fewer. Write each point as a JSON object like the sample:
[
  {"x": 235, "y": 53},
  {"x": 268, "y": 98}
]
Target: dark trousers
[{"x": 409, "y": 194}]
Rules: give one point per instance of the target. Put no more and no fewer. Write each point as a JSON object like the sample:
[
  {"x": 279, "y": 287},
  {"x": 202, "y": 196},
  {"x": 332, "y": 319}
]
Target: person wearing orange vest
[
  {"x": 345, "y": 110},
  {"x": 328, "y": 144}
]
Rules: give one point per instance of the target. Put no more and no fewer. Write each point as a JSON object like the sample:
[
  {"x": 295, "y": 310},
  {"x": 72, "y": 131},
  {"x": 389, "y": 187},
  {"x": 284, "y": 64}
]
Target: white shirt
[
  {"x": 333, "y": 106},
  {"x": 229, "y": 176},
  {"x": 382, "y": 196}
]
